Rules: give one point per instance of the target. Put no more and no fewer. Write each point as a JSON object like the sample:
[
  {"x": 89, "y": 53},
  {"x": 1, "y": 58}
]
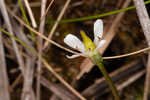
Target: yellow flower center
[{"x": 88, "y": 44}]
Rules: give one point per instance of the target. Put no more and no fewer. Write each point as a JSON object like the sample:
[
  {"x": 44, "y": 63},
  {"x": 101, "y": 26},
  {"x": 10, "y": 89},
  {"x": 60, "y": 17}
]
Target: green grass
[{"x": 100, "y": 15}]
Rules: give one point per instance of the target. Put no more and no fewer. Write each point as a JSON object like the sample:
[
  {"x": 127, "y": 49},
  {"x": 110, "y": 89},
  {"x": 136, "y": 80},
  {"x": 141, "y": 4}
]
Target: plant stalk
[{"x": 97, "y": 60}]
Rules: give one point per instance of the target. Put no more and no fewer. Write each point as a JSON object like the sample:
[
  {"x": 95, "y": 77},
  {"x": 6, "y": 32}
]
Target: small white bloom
[
  {"x": 98, "y": 31},
  {"x": 75, "y": 43}
]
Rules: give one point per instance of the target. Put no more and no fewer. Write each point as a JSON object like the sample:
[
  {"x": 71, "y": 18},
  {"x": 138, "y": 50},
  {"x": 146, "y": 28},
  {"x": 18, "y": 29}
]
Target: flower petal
[
  {"x": 100, "y": 44},
  {"x": 98, "y": 30},
  {"x": 73, "y": 56},
  {"x": 74, "y": 42}
]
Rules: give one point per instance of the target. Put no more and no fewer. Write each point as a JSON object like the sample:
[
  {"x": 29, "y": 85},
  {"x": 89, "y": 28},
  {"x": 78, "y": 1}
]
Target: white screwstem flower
[
  {"x": 90, "y": 49},
  {"x": 72, "y": 41}
]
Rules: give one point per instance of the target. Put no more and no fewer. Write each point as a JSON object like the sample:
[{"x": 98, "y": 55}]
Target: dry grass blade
[
  {"x": 4, "y": 93},
  {"x": 30, "y": 13},
  {"x": 45, "y": 63},
  {"x": 121, "y": 69},
  {"x": 126, "y": 83},
  {"x": 145, "y": 23},
  {"x": 56, "y": 23},
  {"x": 116, "y": 75},
  {"x": 39, "y": 34},
  {"x": 40, "y": 45},
  {"x": 28, "y": 93},
  {"x": 22, "y": 36},
  {"x": 58, "y": 77},
  {"x": 131, "y": 79},
  {"x": 44, "y": 15},
  {"x": 9, "y": 27},
  {"x": 62, "y": 80},
  {"x": 18, "y": 79},
  {"x": 87, "y": 64},
  {"x": 57, "y": 89}
]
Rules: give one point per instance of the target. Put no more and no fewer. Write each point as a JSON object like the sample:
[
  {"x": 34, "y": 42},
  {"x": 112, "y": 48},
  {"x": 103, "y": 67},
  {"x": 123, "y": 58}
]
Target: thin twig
[
  {"x": 145, "y": 23},
  {"x": 4, "y": 93},
  {"x": 44, "y": 15},
  {"x": 39, "y": 34},
  {"x": 115, "y": 75},
  {"x": 25, "y": 16},
  {"x": 21, "y": 35},
  {"x": 57, "y": 89},
  {"x": 126, "y": 83},
  {"x": 27, "y": 93},
  {"x": 131, "y": 79},
  {"x": 50, "y": 69},
  {"x": 9, "y": 27},
  {"x": 40, "y": 45},
  {"x": 17, "y": 80},
  {"x": 30, "y": 13},
  {"x": 57, "y": 22},
  {"x": 100, "y": 85},
  {"x": 62, "y": 80},
  {"x": 45, "y": 63}
]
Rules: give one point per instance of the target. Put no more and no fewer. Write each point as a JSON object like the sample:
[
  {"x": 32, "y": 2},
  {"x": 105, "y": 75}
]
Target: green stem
[
  {"x": 25, "y": 17},
  {"x": 99, "y": 15},
  {"x": 97, "y": 60}
]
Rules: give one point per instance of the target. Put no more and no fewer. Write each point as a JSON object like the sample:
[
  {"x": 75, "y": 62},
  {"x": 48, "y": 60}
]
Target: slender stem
[
  {"x": 99, "y": 15},
  {"x": 25, "y": 16},
  {"x": 97, "y": 60}
]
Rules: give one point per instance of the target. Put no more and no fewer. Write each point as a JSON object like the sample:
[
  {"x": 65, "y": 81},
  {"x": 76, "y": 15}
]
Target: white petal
[
  {"x": 73, "y": 56},
  {"x": 100, "y": 44},
  {"x": 96, "y": 41},
  {"x": 98, "y": 30},
  {"x": 74, "y": 42}
]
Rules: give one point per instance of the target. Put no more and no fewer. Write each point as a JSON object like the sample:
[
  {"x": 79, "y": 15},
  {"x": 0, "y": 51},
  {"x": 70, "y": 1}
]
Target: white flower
[{"x": 87, "y": 47}]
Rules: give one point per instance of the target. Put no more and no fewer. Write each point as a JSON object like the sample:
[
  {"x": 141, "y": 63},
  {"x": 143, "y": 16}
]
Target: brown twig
[
  {"x": 39, "y": 34},
  {"x": 61, "y": 92},
  {"x": 17, "y": 80},
  {"x": 40, "y": 45},
  {"x": 28, "y": 93},
  {"x": 100, "y": 84},
  {"x": 44, "y": 62},
  {"x": 56, "y": 23},
  {"x": 145, "y": 23},
  {"x": 131, "y": 79},
  {"x": 4, "y": 93},
  {"x": 21, "y": 35},
  {"x": 44, "y": 15},
  {"x": 62, "y": 80},
  {"x": 30, "y": 13},
  {"x": 9, "y": 27},
  {"x": 125, "y": 83}
]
